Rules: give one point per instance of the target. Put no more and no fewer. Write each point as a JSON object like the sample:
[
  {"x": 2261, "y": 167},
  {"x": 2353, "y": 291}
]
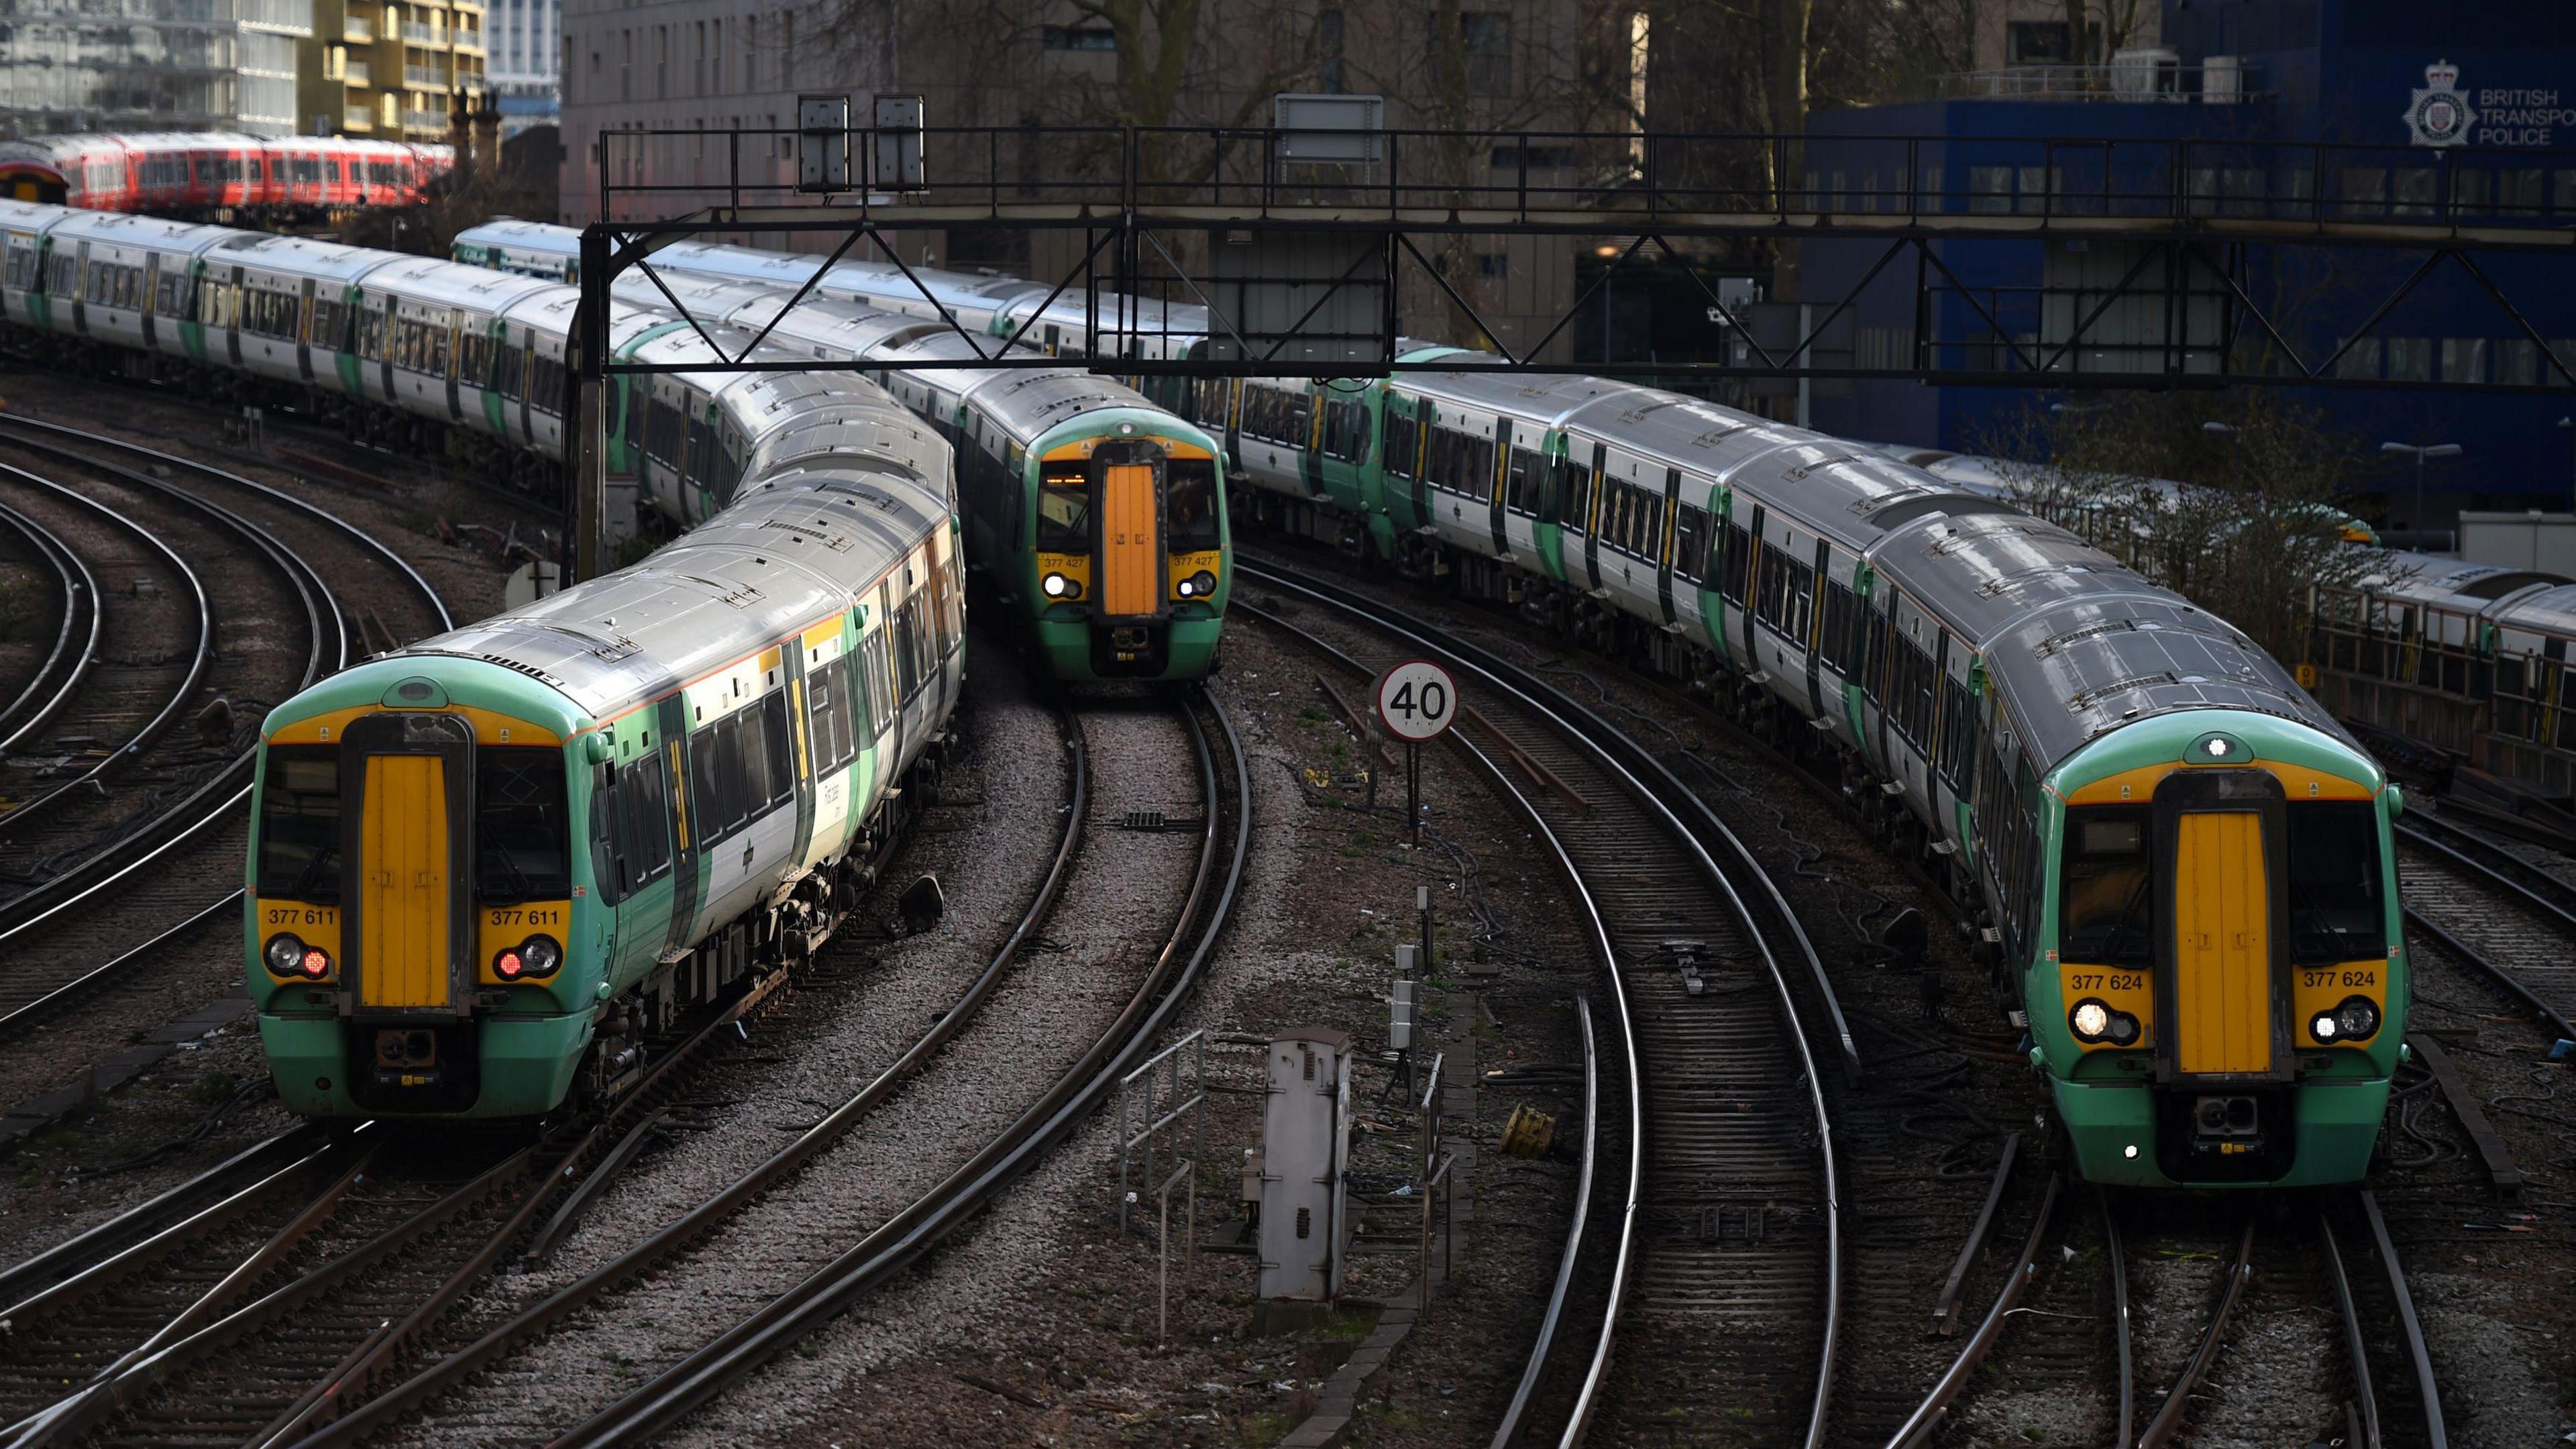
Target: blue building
[{"x": 2255, "y": 117}]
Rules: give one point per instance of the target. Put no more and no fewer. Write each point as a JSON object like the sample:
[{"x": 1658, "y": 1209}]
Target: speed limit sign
[{"x": 1417, "y": 701}]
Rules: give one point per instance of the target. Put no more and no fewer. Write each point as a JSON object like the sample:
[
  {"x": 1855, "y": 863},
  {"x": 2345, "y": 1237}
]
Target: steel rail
[
  {"x": 2478, "y": 960},
  {"x": 1927, "y": 1417},
  {"x": 366, "y": 541},
  {"x": 34, "y": 704},
  {"x": 1601, "y": 736},
  {"x": 2419, "y": 1354},
  {"x": 1507, "y": 1433},
  {"x": 103, "y": 1240},
  {"x": 1597, "y": 933},
  {"x": 1589, "y": 732},
  {"x": 2168, "y": 1417},
  {"x": 2120, "y": 1321},
  {"x": 136, "y": 1375},
  {"x": 201, "y": 662},
  {"x": 2356, "y": 1345},
  {"x": 315, "y": 1417},
  {"x": 661, "y": 1403},
  {"x": 309, "y": 584},
  {"x": 2524, "y": 895}
]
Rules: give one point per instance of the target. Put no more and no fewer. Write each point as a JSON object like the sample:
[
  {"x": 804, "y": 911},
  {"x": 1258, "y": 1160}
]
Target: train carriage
[{"x": 615, "y": 796}]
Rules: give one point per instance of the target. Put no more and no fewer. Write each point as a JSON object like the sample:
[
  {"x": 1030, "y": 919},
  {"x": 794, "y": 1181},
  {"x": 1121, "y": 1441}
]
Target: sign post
[{"x": 1416, "y": 702}]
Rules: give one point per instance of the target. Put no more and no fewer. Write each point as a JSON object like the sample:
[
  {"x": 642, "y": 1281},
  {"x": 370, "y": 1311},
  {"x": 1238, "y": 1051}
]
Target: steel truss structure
[{"x": 2199, "y": 215}]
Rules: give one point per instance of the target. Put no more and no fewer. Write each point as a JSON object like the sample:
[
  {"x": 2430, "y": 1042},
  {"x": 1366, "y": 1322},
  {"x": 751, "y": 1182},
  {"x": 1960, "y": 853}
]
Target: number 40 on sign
[{"x": 1416, "y": 702}]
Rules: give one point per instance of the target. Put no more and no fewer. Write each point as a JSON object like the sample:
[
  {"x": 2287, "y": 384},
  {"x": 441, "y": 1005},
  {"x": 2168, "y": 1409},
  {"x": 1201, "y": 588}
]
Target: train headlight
[
  {"x": 2124, "y": 1029},
  {"x": 2322, "y": 1026},
  {"x": 2357, "y": 1019},
  {"x": 533, "y": 959},
  {"x": 1198, "y": 585},
  {"x": 2090, "y": 1020},
  {"x": 1057, "y": 586},
  {"x": 285, "y": 954}
]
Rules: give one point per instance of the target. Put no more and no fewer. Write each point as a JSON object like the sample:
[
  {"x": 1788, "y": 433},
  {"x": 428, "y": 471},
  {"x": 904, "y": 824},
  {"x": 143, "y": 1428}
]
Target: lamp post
[{"x": 2421, "y": 452}]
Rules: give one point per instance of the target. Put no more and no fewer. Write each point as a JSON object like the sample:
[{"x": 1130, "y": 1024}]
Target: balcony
[
  {"x": 433, "y": 121},
  {"x": 469, "y": 40},
  {"x": 358, "y": 118},
  {"x": 358, "y": 30},
  {"x": 419, "y": 34},
  {"x": 425, "y": 77},
  {"x": 357, "y": 73}
]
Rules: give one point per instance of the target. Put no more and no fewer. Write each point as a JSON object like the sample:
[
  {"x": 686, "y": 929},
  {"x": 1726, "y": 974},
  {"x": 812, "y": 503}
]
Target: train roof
[
  {"x": 2086, "y": 666},
  {"x": 2551, "y": 610},
  {"x": 439, "y": 282},
  {"x": 134, "y": 229},
  {"x": 31, "y": 215},
  {"x": 1544, "y": 398},
  {"x": 2450, "y": 583},
  {"x": 736, "y": 582},
  {"x": 298, "y": 256}
]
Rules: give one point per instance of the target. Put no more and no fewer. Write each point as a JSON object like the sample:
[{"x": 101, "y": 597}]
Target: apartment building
[
  {"x": 393, "y": 70},
  {"x": 152, "y": 65}
]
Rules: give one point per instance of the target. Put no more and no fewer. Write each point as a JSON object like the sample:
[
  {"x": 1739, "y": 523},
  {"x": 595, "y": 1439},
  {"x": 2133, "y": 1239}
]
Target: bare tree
[{"x": 2242, "y": 503}]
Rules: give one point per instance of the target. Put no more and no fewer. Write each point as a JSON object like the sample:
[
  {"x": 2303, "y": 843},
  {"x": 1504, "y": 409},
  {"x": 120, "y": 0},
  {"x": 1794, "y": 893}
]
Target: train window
[
  {"x": 2106, "y": 910},
  {"x": 2335, "y": 909},
  {"x": 830, "y": 728},
  {"x": 1834, "y": 646},
  {"x": 701, "y": 461},
  {"x": 1739, "y": 564},
  {"x": 299, "y": 824},
  {"x": 1690, "y": 532},
  {"x": 1403, "y": 438},
  {"x": 1521, "y": 483},
  {"x": 630, "y": 826},
  {"x": 663, "y": 431},
  {"x": 64, "y": 278},
  {"x": 522, "y": 825},
  {"x": 1064, "y": 512},
  {"x": 21, "y": 271},
  {"x": 906, "y": 648},
  {"x": 1190, "y": 509},
  {"x": 875, "y": 684},
  {"x": 1957, "y": 739},
  {"x": 769, "y": 753}
]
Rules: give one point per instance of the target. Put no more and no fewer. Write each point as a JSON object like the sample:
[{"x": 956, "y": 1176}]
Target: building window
[
  {"x": 1328, "y": 43},
  {"x": 1990, "y": 188},
  {"x": 2518, "y": 362},
  {"x": 1080, "y": 37},
  {"x": 2410, "y": 359},
  {"x": 2464, "y": 359},
  {"x": 1493, "y": 266},
  {"x": 2038, "y": 42},
  {"x": 1486, "y": 38},
  {"x": 2360, "y": 360}
]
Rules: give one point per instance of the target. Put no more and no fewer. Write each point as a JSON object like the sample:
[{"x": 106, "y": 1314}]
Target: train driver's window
[
  {"x": 2335, "y": 911},
  {"x": 299, "y": 824},
  {"x": 2107, "y": 882},
  {"x": 1192, "y": 505},
  {"x": 522, "y": 825},
  {"x": 1064, "y": 511}
]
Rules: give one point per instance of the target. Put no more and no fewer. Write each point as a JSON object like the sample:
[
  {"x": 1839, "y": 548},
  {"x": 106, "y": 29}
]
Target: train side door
[
  {"x": 453, "y": 323},
  {"x": 1664, "y": 550},
  {"x": 151, "y": 286},
  {"x": 1589, "y": 512},
  {"x": 80, "y": 291},
  {"x": 304, "y": 330},
  {"x": 228, "y": 312},
  {"x": 1819, "y": 587}
]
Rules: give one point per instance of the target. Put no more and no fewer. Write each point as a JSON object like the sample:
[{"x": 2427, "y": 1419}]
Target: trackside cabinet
[{"x": 1305, "y": 1149}]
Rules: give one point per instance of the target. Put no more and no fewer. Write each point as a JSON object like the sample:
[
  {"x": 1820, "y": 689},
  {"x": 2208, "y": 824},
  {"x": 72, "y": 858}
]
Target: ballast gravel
[{"x": 1115, "y": 909}]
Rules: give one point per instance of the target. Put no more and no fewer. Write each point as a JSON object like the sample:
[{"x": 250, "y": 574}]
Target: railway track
[
  {"x": 196, "y": 1317},
  {"x": 1709, "y": 1280},
  {"x": 74, "y": 648},
  {"x": 2363, "y": 1366},
  {"x": 143, "y": 824},
  {"x": 2500, "y": 915},
  {"x": 794, "y": 1289}
]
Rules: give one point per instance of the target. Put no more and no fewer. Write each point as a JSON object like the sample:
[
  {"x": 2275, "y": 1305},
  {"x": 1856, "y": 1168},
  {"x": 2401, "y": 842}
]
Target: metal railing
[
  {"x": 1597, "y": 181},
  {"x": 2143, "y": 80},
  {"x": 357, "y": 30},
  {"x": 1152, "y": 1100}
]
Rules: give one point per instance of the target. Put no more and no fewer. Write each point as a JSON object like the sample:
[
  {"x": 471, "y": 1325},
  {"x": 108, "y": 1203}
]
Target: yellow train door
[
  {"x": 403, "y": 860},
  {"x": 2222, "y": 944},
  {"x": 1130, "y": 542}
]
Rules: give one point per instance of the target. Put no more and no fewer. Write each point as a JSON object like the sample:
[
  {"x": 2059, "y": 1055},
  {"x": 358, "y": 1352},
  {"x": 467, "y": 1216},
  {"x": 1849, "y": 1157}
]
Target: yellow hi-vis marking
[
  {"x": 2222, "y": 944},
  {"x": 403, "y": 927}
]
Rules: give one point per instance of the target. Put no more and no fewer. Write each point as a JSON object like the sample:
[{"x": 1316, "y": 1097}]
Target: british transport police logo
[{"x": 2440, "y": 114}]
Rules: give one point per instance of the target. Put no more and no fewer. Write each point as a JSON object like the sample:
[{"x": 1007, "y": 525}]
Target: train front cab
[
  {"x": 420, "y": 919},
  {"x": 1128, "y": 557},
  {"x": 2229, "y": 986}
]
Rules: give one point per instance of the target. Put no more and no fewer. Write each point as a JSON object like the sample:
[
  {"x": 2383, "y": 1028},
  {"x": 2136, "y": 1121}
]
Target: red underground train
[{"x": 181, "y": 172}]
